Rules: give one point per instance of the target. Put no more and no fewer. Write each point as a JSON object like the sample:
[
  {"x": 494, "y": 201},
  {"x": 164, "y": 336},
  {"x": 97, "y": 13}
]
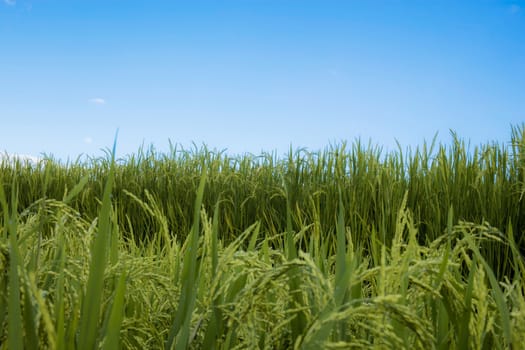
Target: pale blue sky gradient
[{"x": 252, "y": 75}]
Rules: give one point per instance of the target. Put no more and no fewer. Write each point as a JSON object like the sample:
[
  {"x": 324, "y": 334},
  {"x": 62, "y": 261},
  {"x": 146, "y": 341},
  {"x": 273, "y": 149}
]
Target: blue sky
[{"x": 252, "y": 75}]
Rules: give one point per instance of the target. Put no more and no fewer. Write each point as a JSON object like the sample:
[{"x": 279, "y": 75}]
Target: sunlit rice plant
[{"x": 348, "y": 247}]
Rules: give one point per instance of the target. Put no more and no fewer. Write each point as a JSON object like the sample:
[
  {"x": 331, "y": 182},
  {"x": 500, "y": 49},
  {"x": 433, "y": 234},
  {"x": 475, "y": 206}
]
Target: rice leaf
[
  {"x": 180, "y": 330},
  {"x": 90, "y": 315},
  {"x": 112, "y": 331}
]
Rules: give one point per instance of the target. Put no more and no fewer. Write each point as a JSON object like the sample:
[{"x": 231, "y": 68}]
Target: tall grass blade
[
  {"x": 342, "y": 265},
  {"x": 180, "y": 329},
  {"x": 29, "y": 319},
  {"x": 464, "y": 331},
  {"x": 112, "y": 331},
  {"x": 90, "y": 316},
  {"x": 14, "y": 310}
]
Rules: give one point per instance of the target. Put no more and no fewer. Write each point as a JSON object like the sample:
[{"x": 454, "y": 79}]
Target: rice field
[{"x": 345, "y": 248}]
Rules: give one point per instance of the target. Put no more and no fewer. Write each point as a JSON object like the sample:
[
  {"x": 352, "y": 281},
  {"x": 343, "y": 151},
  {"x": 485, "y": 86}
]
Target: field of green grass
[{"x": 348, "y": 247}]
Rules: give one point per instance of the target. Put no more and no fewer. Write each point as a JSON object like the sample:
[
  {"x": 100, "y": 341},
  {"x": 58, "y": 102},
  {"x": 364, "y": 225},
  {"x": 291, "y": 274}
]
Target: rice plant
[{"x": 348, "y": 247}]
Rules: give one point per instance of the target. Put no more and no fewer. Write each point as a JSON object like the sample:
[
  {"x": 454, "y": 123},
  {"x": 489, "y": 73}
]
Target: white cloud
[
  {"x": 10, "y": 2},
  {"x": 97, "y": 101},
  {"x": 23, "y": 158},
  {"x": 88, "y": 140}
]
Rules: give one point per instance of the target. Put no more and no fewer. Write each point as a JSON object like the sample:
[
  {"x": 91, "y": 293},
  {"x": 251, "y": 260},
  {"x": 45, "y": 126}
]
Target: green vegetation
[{"x": 343, "y": 248}]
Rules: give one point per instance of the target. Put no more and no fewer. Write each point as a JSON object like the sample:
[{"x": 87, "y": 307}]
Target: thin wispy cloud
[
  {"x": 514, "y": 8},
  {"x": 88, "y": 140},
  {"x": 10, "y": 2},
  {"x": 334, "y": 73},
  {"x": 97, "y": 101}
]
